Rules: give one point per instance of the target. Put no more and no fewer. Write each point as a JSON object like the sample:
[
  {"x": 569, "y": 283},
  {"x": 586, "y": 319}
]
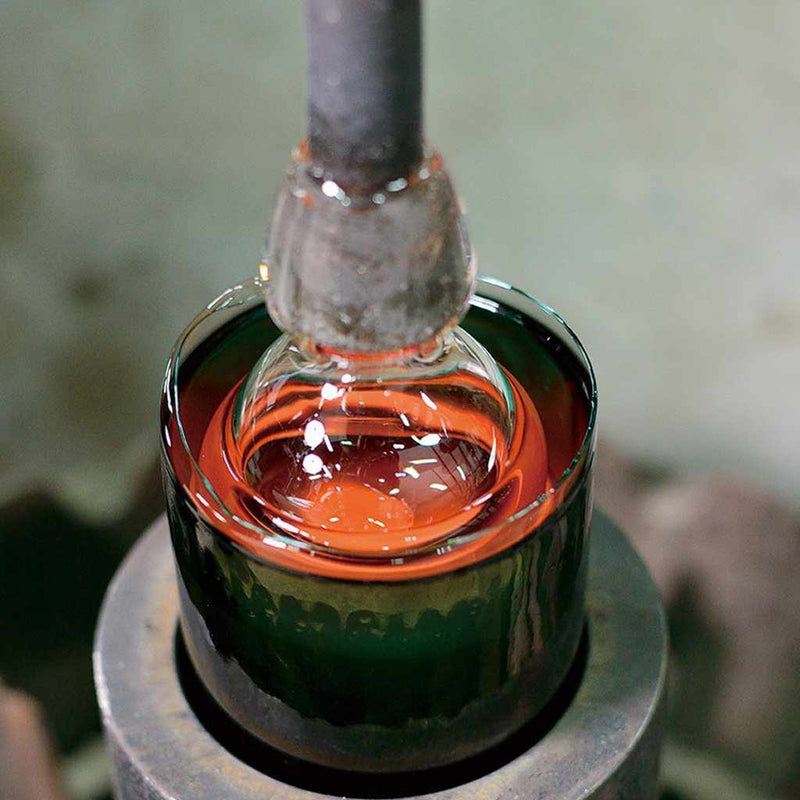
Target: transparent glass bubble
[{"x": 372, "y": 456}]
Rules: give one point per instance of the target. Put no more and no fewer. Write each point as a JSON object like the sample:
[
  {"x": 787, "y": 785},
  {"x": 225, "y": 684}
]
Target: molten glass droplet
[{"x": 376, "y": 457}]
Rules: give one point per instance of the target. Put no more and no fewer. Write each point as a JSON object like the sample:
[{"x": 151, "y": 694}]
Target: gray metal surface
[
  {"x": 364, "y": 88},
  {"x": 605, "y": 745}
]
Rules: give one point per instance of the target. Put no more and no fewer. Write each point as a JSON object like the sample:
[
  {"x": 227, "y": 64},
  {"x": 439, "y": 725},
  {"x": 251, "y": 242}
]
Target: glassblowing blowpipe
[{"x": 374, "y": 426}]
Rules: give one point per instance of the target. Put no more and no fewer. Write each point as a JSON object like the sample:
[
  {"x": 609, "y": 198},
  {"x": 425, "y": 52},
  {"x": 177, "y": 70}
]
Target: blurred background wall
[{"x": 635, "y": 164}]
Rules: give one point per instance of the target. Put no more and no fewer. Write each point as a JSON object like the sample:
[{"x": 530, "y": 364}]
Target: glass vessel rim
[{"x": 253, "y": 287}]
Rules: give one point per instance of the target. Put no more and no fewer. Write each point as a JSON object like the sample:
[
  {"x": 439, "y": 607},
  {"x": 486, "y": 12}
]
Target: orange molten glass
[{"x": 383, "y": 470}]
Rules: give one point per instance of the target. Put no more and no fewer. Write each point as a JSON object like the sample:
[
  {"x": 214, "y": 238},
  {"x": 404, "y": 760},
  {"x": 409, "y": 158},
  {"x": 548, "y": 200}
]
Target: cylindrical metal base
[{"x": 603, "y": 745}]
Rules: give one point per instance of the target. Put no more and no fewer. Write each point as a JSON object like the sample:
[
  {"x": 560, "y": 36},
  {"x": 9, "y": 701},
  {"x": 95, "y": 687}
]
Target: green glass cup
[{"x": 384, "y": 676}]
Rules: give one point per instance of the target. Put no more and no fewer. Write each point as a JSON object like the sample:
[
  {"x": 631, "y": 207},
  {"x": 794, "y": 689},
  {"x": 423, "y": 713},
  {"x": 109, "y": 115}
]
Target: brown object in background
[
  {"x": 27, "y": 767},
  {"x": 726, "y": 558}
]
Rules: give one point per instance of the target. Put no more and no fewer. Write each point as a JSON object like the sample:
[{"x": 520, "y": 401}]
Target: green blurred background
[{"x": 634, "y": 164}]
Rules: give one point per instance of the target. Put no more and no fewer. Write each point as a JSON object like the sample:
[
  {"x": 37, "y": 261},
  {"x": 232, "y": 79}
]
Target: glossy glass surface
[
  {"x": 375, "y": 460},
  {"x": 462, "y": 645}
]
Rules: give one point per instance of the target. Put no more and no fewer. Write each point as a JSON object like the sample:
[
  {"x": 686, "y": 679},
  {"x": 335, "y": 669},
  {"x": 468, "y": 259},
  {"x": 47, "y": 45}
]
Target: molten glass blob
[{"x": 371, "y": 457}]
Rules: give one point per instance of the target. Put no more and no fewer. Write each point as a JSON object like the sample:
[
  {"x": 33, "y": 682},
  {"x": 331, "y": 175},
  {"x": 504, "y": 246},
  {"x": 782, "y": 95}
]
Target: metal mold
[{"x": 604, "y": 745}]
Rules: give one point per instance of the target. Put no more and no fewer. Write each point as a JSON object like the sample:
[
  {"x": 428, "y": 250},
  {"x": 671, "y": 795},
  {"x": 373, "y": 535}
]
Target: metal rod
[{"x": 364, "y": 89}]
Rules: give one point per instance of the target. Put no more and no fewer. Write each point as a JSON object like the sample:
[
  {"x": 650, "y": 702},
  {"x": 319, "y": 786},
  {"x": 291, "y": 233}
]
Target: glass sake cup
[{"x": 410, "y": 664}]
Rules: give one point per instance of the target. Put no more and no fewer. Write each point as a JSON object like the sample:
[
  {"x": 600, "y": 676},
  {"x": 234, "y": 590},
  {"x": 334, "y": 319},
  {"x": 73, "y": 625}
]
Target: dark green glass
[{"x": 386, "y": 676}]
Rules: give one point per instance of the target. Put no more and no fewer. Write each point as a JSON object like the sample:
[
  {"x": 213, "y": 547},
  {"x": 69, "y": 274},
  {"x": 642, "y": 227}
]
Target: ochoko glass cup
[{"x": 405, "y": 665}]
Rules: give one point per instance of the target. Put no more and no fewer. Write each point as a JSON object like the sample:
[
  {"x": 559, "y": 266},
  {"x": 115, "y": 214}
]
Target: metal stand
[{"x": 604, "y": 743}]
